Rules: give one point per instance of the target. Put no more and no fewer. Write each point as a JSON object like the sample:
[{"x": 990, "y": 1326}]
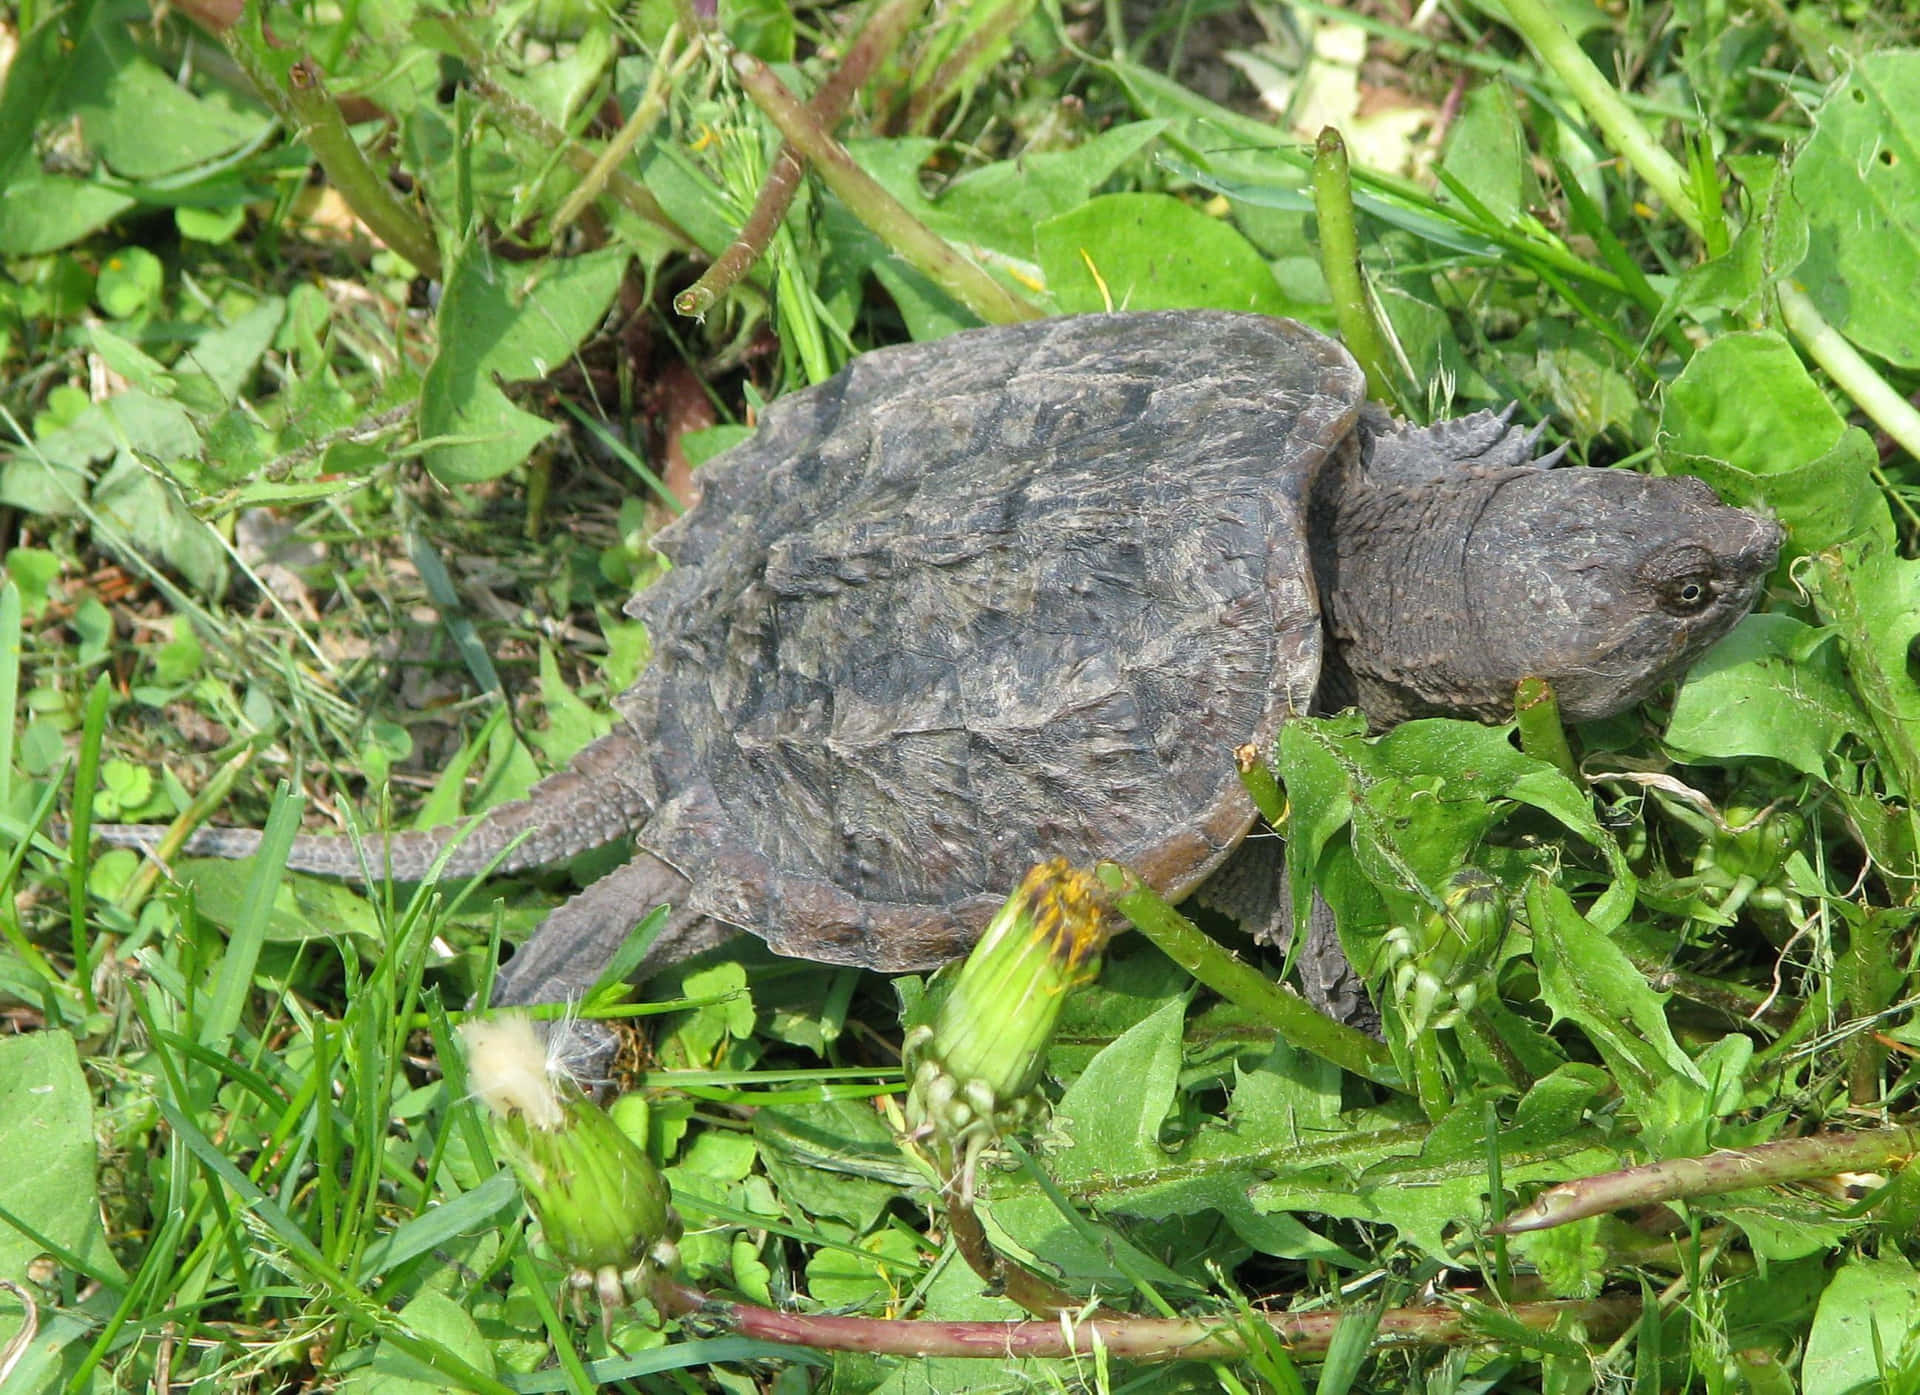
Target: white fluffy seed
[{"x": 510, "y": 1070}]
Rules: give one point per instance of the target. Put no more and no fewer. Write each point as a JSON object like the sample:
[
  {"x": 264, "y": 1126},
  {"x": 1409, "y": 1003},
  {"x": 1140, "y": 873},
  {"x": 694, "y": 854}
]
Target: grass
[{"x": 306, "y": 531}]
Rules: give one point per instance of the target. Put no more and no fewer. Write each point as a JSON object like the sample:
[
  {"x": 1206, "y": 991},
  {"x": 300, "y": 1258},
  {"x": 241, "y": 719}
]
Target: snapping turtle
[{"x": 1021, "y": 593}]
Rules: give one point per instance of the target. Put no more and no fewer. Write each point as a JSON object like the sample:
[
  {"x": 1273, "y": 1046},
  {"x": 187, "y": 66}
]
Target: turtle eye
[{"x": 1687, "y": 595}]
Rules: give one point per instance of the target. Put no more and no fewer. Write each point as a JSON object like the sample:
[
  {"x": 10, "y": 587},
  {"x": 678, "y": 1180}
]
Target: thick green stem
[
  {"x": 1262, "y": 787},
  {"x": 874, "y": 206},
  {"x": 296, "y": 92},
  {"x": 1827, "y": 347},
  {"x": 1731, "y": 1170},
  {"x": 1340, "y": 263},
  {"x": 1245, "y": 986},
  {"x": 1542, "y": 735}
]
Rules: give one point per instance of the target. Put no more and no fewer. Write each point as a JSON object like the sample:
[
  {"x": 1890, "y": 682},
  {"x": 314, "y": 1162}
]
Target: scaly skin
[{"x": 1021, "y": 593}]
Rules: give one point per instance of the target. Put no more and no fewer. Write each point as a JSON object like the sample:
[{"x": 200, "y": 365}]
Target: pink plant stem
[{"x": 1135, "y": 1339}]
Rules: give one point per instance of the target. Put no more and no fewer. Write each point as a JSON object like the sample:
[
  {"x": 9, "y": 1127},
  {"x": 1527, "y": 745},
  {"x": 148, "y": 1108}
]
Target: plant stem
[
  {"x": 1240, "y": 983},
  {"x": 877, "y": 40},
  {"x": 1827, "y": 347},
  {"x": 667, "y": 70},
  {"x": 1542, "y": 735},
  {"x": 1129, "y": 1338},
  {"x": 1014, "y": 1281},
  {"x": 298, "y": 94},
  {"x": 874, "y": 206},
  {"x": 931, "y": 94},
  {"x": 1732, "y": 1169},
  {"x": 1257, "y": 776},
  {"x": 1561, "y": 52},
  {"x": 1340, "y": 264}
]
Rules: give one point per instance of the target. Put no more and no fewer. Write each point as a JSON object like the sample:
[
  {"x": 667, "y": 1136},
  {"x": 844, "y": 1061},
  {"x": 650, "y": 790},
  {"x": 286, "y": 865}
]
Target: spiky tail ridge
[{"x": 595, "y": 800}]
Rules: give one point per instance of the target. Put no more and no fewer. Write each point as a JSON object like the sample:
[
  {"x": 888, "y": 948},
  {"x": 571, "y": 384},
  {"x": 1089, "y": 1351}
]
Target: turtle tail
[{"x": 592, "y": 802}]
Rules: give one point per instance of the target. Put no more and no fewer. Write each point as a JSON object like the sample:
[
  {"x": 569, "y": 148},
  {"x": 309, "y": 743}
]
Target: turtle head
[
  {"x": 1603, "y": 582},
  {"x": 1607, "y": 583}
]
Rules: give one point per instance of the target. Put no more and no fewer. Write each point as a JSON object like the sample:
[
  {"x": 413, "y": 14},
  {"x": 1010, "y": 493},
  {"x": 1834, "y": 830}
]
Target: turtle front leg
[
  {"x": 1251, "y": 887},
  {"x": 578, "y": 940}
]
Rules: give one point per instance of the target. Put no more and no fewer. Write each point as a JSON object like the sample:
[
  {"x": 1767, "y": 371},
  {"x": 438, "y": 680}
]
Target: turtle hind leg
[
  {"x": 602, "y": 795},
  {"x": 575, "y": 944}
]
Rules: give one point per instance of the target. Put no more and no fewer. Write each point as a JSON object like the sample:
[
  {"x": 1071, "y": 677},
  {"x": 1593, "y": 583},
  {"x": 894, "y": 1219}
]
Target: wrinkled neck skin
[{"x": 1404, "y": 636}]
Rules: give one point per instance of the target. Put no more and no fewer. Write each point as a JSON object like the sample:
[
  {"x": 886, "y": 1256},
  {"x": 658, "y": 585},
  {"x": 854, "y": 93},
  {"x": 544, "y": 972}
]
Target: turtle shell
[{"x": 1013, "y": 594}]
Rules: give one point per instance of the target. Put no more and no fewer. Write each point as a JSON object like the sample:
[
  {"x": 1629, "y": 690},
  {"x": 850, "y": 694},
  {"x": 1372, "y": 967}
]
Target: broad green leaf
[
  {"x": 1419, "y": 799},
  {"x": 501, "y": 320},
  {"x": 571, "y": 723},
  {"x": 1866, "y": 1320},
  {"x": 46, "y": 1126},
  {"x": 841, "y": 1279},
  {"x": 1746, "y": 417},
  {"x": 1000, "y": 205},
  {"x": 142, "y": 122},
  {"x": 1827, "y": 500},
  {"x": 1112, "y": 1116},
  {"x": 1117, "y": 1105},
  {"x": 1858, "y": 178},
  {"x": 1747, "y": 399},
  {"x": 441, "y": 1320},
  {"x": 1152, "y": 252},
  {"x": 304, "y": 908},
  {"x": 834, "y": 1158},
  {"x": 37, "y": 89},
  {"x": 1487, "y": 152},
  {"x": 42, "y": 212},
  {"x": 1871, "y": 595},
  {"x": 154, "y": 520},
  {"x": 228, "y": 355},
  {"x": 1773, "y": 687}
]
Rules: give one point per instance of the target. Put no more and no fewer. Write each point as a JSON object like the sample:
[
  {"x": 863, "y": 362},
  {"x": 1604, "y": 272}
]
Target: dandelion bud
[{"x": 975, "y": 1070}]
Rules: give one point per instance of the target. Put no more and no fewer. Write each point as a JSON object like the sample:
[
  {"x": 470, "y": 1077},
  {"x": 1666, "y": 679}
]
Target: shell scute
[{"x": 1010, "y": 595}]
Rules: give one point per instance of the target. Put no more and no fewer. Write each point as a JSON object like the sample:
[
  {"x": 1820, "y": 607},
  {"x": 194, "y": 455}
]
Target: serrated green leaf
[
  {"x": 1858, "y": 178},
  {"x": 1871, "y": 594},
  {"x": 1586, "y": 979}
]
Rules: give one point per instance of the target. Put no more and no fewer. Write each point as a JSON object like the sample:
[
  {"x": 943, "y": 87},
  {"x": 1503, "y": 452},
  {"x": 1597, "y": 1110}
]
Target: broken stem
[
  {"x": 877, "y": 40},
  {"x": 1730, "y": 1170},
  {"x": 874, "y": 206},
  {"x": 1340, "y": 264},
  {"x": 1536, "y": 710}
]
